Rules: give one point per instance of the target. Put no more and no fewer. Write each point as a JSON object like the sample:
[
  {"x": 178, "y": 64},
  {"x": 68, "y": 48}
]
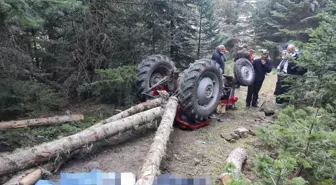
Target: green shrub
[
  {"x": 112, "y": 86},
  {"x": 304, "y": 139},
  {"x": 26, "y": 98}
]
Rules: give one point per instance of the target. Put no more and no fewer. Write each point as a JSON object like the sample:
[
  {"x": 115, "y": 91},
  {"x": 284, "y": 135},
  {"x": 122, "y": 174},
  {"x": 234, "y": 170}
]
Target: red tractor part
[
  {"x": 185, "y": 125},
  {"x": 160, "y": 88},
  {"x": 230, "y": 101},
  {"x": 155, "y": 91}
]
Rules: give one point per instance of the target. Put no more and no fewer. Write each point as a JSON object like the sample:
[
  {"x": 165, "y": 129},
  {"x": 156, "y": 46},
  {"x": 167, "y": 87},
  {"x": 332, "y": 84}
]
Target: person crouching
[{"x": 261, "y": 67}]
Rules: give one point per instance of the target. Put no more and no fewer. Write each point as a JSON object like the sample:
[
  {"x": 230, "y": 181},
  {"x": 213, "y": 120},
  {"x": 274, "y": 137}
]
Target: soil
[{"x": 199, "y": 153}]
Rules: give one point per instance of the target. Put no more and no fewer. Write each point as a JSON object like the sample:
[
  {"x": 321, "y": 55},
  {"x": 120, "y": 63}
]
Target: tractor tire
[
  {"x": 150, "y": 71},
  {"x": 244, "y": 72},
  {"x": 200, "y": 88}
]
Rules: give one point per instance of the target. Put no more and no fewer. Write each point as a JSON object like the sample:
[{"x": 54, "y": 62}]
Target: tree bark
[
  {"x": 133, "y": 110},
  {"x": 199, "y": 34},
  {"x": 42, "y": 153},
  {"x": 41, "y": 121},
  {"x": 153, "y": 159},
  {"x": 31, "y": 176},
  {"x": 237, "y": 158},
  {"x": 36, "y": 173}
]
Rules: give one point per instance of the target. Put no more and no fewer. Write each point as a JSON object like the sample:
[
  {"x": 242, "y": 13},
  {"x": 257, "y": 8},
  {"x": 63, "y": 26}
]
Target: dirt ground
[{"x": 200, "y": 153}]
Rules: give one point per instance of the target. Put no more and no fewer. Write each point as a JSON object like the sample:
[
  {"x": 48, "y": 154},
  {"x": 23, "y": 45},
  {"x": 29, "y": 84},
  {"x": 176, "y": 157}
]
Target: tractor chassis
[{"x": 169, "y": 82}]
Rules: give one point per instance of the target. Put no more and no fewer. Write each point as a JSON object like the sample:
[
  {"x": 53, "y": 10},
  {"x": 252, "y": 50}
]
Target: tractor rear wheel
[
  {"x": 150, "y": 71},
  {"x": 244, "y": 72},
  {"x": 200, "y": 88}
]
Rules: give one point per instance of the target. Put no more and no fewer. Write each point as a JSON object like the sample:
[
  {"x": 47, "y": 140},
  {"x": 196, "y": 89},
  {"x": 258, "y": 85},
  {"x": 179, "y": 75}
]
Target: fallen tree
[
  {"x": 128, "y": 112},
  {"x": 150, "y": 168},
  {"x": 42, "y": 153},
  {"x": 234, "y": 164},
  {"x": 27, "y": 177},
  {"x": 131, "y": 111},
  {"x": 41, "y": 121},
  {"x": 32, "y": 175}
]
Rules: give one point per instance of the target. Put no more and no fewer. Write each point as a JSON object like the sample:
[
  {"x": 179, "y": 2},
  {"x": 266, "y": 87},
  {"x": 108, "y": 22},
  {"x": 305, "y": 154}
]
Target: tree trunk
[
  {"x": 158, "y": 148},
  {"x": 133, "y": 110},
  {"x": 199, "y": 36},
  {"x": 41, "y": 121},
  {"x": 237, "y": 158},
  {"x": 36, "y": 155},
  {"x": 31, "y": 176}
]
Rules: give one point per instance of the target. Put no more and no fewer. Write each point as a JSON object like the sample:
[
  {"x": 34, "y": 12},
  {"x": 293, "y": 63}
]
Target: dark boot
[{"x": 255, "y": 106}]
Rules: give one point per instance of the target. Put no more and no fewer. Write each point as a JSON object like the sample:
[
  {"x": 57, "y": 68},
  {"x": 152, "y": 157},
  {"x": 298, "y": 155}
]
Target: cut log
[
  {"x": 41, "y": 121},
  {"x": 42, "y": 153},
  {"x": 131, "y": 111},
  {"x": 235, "y": 161},
  {"x": 128, "y": 112},
  {"x": 36, "y": 173},
  {"x": 31, "y": 176},
  {"x": 150, "y": 168}
]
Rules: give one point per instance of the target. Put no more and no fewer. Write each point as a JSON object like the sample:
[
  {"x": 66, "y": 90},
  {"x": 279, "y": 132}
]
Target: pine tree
[
  {"x": 319, "y": 58},
  {"x": 278, "y": 22},
  {"x": 182, "y": 32},
  {"x": 208, "y": 30},
  {"x": 305, "y": 133}
]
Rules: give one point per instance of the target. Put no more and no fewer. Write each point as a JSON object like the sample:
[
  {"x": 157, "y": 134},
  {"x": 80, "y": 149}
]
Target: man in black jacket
[
  {"x": 287, "y": 68},
  {"x": 219, "y": 56},
  {"x": 261, "y": 67}
]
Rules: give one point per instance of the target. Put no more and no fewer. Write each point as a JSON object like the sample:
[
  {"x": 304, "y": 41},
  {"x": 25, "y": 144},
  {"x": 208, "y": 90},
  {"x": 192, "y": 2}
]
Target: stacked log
[{"x": 68, "y": 146}]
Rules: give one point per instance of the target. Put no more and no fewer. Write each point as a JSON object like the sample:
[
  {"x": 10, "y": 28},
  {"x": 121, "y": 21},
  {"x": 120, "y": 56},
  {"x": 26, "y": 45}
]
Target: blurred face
[
  {"x": 290, "y": 49},
  {"x": 264, "y": 56},
  {"x": 223, "y": 50}
]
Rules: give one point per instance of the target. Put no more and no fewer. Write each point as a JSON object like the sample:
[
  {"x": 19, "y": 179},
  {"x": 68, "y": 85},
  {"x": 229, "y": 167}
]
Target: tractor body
[{"x": 199, "y": 88}]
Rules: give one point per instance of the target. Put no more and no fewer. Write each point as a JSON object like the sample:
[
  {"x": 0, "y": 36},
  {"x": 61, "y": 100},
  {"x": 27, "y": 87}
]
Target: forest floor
[{"x": 200, "y": 153}]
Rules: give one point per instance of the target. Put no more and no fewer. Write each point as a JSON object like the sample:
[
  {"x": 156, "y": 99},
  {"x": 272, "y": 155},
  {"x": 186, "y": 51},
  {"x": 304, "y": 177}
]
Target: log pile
[{"x": 29, "y": 164}]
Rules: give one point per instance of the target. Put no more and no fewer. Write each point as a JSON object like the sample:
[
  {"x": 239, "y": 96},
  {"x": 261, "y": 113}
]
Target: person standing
[
  {"x": 261, "y": 67},
  {"x": 219, "y": 56},
  {"x": 285, "y": 68}
]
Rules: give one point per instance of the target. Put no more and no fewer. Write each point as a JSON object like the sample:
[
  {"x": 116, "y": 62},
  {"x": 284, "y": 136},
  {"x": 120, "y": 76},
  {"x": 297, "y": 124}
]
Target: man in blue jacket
[
  {"x": 261, "y": 67},
  {"x": 219, "y": 56}
]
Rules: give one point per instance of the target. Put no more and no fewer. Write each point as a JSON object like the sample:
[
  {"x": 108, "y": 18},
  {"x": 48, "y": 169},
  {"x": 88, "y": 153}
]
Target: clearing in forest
[{"x": 200, "y": 153}]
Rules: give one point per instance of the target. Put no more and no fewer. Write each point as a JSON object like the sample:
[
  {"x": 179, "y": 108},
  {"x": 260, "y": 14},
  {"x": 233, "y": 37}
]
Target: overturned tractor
[{"x": 199, "y": 88}]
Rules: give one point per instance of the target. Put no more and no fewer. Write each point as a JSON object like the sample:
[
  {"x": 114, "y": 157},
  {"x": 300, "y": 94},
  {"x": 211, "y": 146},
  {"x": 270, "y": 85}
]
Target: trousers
[{"x": 253, "y": 94}]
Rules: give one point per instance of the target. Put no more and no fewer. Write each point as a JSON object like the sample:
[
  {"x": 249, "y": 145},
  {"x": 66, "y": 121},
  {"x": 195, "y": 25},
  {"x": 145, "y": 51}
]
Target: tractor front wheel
[
  {"x": 150, "y": 71},
  {"x": 200, "y": 88}
]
